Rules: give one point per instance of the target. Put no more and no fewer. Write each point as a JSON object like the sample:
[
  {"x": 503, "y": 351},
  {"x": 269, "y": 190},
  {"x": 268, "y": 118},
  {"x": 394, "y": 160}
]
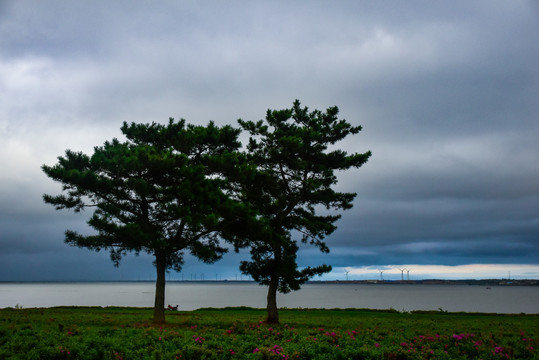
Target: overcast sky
[{"x": 447, "y": 94}]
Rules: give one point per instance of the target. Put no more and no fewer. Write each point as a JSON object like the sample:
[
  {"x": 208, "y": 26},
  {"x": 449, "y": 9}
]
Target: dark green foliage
[
  {"x": 295, "y": 175},
  {"x": 162, "y": 191},
  {"x": 126, "y": 333},
  {"x": 174, "y": 188}
]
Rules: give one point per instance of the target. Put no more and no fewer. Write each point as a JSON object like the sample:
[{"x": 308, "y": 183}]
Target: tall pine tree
[
  {"x": 162, "y": 192},
  {"x": 295, "y": 174}
]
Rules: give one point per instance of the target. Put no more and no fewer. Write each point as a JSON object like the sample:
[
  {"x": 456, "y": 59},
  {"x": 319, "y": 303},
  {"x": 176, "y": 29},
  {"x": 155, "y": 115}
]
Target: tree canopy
[
  {"x": 162, "y": 191},
  {"x": 167, "y": 189},
  {"x": 295, "y": 175}
]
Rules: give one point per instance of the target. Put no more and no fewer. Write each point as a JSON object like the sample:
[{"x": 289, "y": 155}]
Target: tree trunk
[
  {"x": 159, "y": 305},
  {"x": 273, "y": 313}
]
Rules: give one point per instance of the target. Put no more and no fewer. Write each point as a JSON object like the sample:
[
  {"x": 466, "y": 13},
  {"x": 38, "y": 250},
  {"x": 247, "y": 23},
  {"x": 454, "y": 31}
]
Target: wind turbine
[
  {"x": 347, "y": 275},
  {"x": 402, "y": 273},
  {"x": 408, "y": 274},
  {"x": 381, "y": 277}
]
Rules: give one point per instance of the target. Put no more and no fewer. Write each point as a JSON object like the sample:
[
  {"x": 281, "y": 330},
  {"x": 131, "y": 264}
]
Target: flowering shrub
[{"x": 122, "y": 334}]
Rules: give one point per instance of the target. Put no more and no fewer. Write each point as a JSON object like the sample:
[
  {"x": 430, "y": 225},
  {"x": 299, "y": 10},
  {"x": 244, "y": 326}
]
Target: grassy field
[{"x": 239, "y": 333}]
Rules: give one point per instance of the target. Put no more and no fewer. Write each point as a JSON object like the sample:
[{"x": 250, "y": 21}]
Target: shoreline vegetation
[{"x": 240, "y": 333}]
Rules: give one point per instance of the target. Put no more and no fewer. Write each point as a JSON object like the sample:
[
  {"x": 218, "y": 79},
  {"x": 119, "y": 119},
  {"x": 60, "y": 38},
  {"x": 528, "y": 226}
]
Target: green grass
[{"x": 239, "y": 333}]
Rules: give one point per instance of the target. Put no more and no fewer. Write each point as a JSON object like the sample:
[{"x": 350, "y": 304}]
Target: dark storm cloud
[
  {"x": 434, "y": 252},
  {"x": 446, "y": 92}
]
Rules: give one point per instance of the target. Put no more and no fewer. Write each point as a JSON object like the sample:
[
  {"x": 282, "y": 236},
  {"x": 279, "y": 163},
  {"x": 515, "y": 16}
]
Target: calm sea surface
[{"x": 190, "y": 296}]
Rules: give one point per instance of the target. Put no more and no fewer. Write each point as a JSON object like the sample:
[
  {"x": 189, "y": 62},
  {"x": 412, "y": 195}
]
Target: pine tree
[
  {"x": 162, "y": 192},
  {"x": 295, "y": 174}
]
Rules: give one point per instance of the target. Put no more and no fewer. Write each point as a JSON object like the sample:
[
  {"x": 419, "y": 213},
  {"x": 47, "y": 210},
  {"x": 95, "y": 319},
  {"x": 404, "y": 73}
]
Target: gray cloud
[{"x": 447, "y": 95}]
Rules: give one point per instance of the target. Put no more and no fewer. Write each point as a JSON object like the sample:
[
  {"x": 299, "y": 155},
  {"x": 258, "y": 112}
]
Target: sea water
[{"x": 194, "y": 295}]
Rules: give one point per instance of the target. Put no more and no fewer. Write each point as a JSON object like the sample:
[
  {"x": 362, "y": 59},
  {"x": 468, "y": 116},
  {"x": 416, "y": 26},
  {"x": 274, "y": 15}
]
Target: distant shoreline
[{"x": 480, "y": 282}]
